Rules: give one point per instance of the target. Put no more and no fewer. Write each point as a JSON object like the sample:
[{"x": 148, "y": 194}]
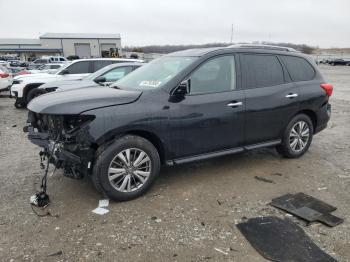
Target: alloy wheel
[
  {"x": 129, "y": 170},
  {"x": 299, "y": 136}
]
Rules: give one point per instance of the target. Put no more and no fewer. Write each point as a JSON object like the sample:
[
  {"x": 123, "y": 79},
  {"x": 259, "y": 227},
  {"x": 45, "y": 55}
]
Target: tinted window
[
  {"x": 100, "y": 64},
  {"x": 62, "y": 59},
  {"x": 215, "y": 75},
  {"x": 261, "y": 70},
  {"x": 55, "y": 66},
  {"x": 298, "y": 68},
  {"x": 117, "y": 73},
  {"x": 82, "y": 67}
]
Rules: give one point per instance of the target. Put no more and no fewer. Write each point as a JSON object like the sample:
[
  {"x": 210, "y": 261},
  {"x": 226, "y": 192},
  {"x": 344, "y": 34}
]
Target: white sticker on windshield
[{"x": 153, "y": 83}]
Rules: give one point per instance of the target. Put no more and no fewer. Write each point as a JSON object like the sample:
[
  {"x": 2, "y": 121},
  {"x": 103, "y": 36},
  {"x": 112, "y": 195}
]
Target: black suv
[{"x": 183, "y": 107}]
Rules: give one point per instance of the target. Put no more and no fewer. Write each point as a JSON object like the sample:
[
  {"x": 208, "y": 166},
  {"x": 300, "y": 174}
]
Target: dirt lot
[{"x": 191, "y": 210}]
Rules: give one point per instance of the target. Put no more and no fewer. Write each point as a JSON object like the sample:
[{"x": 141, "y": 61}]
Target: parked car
[
  {"x": 48, "y": 68},
  {"x": 338, "y": 61},
  {"x": 16, "y": 71},
  {"x": 18, "y": 63},
  {"x": 185, "y": 106},
  {"x": 23, "y": 86},
  {"x": 103, "y": 77},
  {"x": 5, "y": 79}
]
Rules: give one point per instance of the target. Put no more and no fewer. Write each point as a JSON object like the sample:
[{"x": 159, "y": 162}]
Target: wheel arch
[
  {"x": 310, "y": 114},
  {"x": 150, "y": 136},
  {"x": 29, "y": 87}
]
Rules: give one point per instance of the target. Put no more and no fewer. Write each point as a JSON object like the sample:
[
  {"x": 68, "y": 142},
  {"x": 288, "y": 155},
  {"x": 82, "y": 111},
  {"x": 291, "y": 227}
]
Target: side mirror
[
  {"x": 64, "y": 72},
  {"x": 183, "y": 88},
  {"x": 100, "y": 79}
]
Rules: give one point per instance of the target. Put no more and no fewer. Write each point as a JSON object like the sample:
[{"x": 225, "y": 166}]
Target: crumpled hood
[{"x": 80, "y": 100}]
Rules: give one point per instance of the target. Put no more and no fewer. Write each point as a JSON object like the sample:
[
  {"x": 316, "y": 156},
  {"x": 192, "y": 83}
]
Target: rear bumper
[{"x": 323, "y": 116}]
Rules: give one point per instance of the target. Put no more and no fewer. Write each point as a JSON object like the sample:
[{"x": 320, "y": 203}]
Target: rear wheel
[
  {"x": 297, "y": 137},
  {"x": 127, "y": 168}
]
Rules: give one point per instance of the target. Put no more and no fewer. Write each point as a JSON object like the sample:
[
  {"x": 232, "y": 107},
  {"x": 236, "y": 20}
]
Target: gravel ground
[{"x": 190, "y": 212}]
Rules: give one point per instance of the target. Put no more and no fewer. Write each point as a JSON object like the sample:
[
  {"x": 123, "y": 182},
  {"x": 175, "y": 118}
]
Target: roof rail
[{"x": 269, "y": 47}]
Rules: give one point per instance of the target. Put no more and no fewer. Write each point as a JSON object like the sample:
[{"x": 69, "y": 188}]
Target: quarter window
[
  {"x": 215, "y": 75},
  {"x": 298, "y": 68},
  {"x": 261, "y": 71}
]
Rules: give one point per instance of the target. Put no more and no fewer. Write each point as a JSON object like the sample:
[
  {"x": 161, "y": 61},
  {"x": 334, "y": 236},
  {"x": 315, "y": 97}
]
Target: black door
[
  {"x": 211, "y": 117},
  {"x": 271, "y": 100}
]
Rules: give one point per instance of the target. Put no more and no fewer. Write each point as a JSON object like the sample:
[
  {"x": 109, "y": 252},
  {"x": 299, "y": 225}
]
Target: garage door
[
  {"x": 106, "y": 49},
  {"x": 83, "y": 50}
]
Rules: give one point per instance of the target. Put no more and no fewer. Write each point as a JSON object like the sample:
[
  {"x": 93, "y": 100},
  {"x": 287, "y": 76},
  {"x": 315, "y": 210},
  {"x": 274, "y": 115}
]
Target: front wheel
[
  {"x": 297, "y": 137},
  {"x": 127, "y": 168}
]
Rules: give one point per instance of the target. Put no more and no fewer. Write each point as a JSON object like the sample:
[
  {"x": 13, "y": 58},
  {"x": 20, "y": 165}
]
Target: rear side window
[
  {"x": 97, "y": 65},
  {"x": 82, "y": 67},
  {"x": 299, "y": 69},
  {"x": 261, "y": 71}
]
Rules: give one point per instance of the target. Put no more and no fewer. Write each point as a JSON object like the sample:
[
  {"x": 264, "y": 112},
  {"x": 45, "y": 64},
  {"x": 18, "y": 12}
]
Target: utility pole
[{"x": 231, "y": 34}]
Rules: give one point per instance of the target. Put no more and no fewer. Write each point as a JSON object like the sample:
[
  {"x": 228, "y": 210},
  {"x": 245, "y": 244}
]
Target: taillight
[
  {"x": 328, "y": 88},
  {"x": 24, "y": 73},
  {"x": 4, "y": 75}
]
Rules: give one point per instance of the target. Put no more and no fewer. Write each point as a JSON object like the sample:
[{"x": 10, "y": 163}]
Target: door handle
[
  {"x": 291, "y": 95},
  {"x": 234, "y": 104}
]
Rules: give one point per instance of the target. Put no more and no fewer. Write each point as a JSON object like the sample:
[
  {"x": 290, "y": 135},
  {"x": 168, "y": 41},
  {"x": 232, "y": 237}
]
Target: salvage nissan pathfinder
[{"x": 185, "y": 106}]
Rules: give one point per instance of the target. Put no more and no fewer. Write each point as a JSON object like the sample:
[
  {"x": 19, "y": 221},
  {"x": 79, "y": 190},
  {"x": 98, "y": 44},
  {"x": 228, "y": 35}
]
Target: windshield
[{"x": 154, "y": 74}]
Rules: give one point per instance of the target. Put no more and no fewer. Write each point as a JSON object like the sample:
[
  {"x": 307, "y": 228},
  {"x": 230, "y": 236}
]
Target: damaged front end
[{"x": 65, "y": 140}]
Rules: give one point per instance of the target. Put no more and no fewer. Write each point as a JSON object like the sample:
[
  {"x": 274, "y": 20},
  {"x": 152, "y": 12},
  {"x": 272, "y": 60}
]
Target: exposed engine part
[{"x": 65, "y": 140}]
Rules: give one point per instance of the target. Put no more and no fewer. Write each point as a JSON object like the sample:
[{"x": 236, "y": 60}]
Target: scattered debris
[
  {"x": 307, "y": 208},
  {"x": 279, "y": 239},
  {"x": 219, "y": 202},
  {"x": 322, "y": 188},
  {"x": 103, "y": 203},
  {"x": 264, "y": 179},
  {"x": 223, "y": 252},
  {"x": 58, "y": 253},
  {"x": 276, "y": 174},
  {"x": 14, "y": 125},
  {"x": 100, "y": 211}
]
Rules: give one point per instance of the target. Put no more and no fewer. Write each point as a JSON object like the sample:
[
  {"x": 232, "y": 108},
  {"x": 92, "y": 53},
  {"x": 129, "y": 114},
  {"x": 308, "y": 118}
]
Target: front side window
[
  {"x": 261, "y": 71},
  {"x": 156, "y": 73},
  {"x": 298, "y": 68},
  {"x": 215, "y": 75},
  {"x": 117, "y": 73},
  {"x": 82, "y": 67}
]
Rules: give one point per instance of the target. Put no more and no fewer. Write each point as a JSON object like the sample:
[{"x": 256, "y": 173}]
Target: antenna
[{"x": 231, "y": 33}]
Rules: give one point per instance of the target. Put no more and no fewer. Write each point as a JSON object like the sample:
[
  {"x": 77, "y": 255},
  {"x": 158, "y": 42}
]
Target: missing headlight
[{"x": 74, "y": 123}]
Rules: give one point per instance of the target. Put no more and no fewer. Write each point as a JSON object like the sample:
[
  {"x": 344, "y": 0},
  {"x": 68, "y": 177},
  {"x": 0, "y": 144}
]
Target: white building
[{"x": 66, "y": 44}]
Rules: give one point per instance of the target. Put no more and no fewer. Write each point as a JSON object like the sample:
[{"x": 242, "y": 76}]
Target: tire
[
  {"x": 19, "y": 103},
  {"x": 116, "y": 188},
  {"x": 295, "y": 143},
  {"x": 33, "y": 93}
]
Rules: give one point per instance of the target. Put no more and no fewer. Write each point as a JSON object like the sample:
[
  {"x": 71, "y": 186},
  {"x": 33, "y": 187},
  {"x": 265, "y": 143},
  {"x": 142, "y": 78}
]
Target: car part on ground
[
  {"x": 307, "y": 208},
  {"x": 279, "y": 239},
  {"x": 190, "y": 105}
]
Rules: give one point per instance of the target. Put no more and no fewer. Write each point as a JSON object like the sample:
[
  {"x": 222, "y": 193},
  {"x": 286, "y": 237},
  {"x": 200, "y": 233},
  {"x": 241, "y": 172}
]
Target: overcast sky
[{"x": 324, "y": 23}]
